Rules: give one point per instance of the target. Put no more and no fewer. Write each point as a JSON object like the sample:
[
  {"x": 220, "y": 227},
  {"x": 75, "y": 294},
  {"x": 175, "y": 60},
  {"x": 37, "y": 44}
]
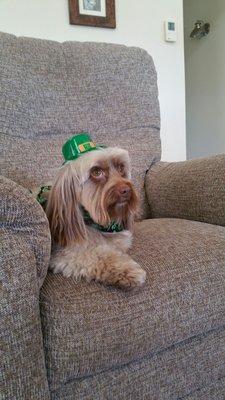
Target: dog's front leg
[
  {"x": 100, "y": 263},
  {"x": 115, "y": 268}
]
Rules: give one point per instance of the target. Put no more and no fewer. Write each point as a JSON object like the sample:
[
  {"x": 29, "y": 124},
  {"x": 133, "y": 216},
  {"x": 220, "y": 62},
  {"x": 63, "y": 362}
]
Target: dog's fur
[{"x": 98, "y": 181}]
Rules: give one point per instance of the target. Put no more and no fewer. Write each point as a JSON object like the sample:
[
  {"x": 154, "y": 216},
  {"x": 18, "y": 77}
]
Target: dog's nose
[{"x": 124, "y": 190}]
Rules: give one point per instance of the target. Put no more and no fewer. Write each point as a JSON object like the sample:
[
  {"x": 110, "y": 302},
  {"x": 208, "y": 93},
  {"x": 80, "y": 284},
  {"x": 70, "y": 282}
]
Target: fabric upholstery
[
  {"x": 24, "y": 256},
  {"x": 213, "y": 391},
  {"x": 192, "y": 189},
  {"x": 89, "y": 329},
  {"x": 50, "y": 91},
  {"x": 165, "y": 341},
  {"x": 191, "y": 369}
]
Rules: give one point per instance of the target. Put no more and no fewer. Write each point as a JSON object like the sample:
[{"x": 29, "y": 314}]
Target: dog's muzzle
[{"x": 120, "y": 193}]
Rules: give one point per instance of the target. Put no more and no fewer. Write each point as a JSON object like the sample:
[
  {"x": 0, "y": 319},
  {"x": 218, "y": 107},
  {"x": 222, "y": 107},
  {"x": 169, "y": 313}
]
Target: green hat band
[{"x": 78, "y": 145}]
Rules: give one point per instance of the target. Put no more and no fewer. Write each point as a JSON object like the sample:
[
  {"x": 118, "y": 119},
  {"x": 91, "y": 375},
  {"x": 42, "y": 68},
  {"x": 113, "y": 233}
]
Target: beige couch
[{"x": 68, "y": 340}]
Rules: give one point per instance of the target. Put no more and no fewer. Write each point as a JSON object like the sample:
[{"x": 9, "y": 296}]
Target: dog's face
[{"x": 98, "y": 181}]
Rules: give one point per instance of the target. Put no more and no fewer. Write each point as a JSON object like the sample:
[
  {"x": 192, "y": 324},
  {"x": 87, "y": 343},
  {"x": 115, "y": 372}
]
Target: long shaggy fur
[{"x": 99, "y": 182}]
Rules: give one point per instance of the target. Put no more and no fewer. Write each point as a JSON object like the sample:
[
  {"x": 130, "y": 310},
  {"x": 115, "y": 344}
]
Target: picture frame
[{"x": 98, "y": 13}]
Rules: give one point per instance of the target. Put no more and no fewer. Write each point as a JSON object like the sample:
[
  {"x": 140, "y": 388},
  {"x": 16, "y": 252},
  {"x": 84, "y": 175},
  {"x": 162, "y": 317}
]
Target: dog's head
[{"x": 98, "y": 181}]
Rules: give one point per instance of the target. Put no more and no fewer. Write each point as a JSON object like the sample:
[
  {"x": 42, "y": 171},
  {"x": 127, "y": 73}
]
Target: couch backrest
[{"x": 51, "y": 90}]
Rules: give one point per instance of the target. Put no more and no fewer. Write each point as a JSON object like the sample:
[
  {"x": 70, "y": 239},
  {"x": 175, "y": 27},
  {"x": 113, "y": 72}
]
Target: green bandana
[
  {"x": 113, "y": 227},
  {"x": 42, "y": 196}
]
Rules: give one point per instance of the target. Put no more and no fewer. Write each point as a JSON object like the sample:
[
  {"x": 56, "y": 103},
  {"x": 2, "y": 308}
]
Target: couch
[{"x": 67, "y": 340}]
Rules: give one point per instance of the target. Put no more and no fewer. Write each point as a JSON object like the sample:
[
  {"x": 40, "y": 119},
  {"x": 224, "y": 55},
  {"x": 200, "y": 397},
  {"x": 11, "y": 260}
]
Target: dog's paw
[
  {"x": 122, "y": 272},
  {"x": 119, "y": 270},
  {"x": 130, "y": 277}
]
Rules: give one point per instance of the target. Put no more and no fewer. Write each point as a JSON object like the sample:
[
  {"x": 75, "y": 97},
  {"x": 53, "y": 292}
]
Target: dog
[{"x": 87, "y": 194}]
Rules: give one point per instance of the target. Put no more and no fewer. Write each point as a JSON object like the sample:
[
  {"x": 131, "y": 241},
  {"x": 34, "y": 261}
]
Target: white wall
[
  {"x": 139, "y": 23},
  {"x": 205, "y": 79}
]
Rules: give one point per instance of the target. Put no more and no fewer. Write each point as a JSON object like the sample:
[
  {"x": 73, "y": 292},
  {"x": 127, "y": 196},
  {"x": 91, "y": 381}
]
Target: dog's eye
[{"x": 97, "y": 172}]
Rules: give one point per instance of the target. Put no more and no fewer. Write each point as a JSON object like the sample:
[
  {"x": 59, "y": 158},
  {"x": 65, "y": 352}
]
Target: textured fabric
[
  {"x": 192, "y": 190},
  {"x": 191, "y": 369},
  {"x": 50, "y": 90},
  {"x": 100, "y": 343},
  {"x": 89, "y": 328},
  {"x": 24, "y": 258},
  {"x": 214, "y": 391}
]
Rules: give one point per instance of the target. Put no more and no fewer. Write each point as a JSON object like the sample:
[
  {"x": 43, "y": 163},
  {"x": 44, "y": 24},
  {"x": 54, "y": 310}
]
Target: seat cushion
[
  {"x": 89, "y": 328},
  {"x": 196, "y": 367}
]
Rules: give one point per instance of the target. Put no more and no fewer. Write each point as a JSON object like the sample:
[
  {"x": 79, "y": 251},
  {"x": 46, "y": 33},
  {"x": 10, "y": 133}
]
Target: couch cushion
[
  {"x": 51, "y": 90},
  {"x": 89, "y": 328},
  {"x": 195, "y": 366}
]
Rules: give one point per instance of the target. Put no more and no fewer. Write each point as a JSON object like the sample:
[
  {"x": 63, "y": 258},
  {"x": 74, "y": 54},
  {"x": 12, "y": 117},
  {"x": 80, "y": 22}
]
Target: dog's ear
[{"x": 63, "y": 211}]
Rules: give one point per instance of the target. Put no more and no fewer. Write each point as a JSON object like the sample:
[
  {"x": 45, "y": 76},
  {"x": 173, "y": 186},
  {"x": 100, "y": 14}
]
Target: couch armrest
[
  {"x": 192, "y": 190},
  {"x": 24, "y": 254}
]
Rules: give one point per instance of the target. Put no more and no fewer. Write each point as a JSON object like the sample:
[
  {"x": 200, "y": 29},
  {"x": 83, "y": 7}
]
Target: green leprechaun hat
[{"x": 78, "y": 145}]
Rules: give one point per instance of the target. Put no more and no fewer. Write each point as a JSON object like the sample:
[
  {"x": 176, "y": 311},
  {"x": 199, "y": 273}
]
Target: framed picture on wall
[{"x": 99, "y": 13}]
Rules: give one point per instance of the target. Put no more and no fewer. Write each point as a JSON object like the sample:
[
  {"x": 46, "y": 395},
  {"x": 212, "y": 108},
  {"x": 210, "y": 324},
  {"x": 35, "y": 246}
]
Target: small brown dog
[{"x": 87, "y": 194}]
